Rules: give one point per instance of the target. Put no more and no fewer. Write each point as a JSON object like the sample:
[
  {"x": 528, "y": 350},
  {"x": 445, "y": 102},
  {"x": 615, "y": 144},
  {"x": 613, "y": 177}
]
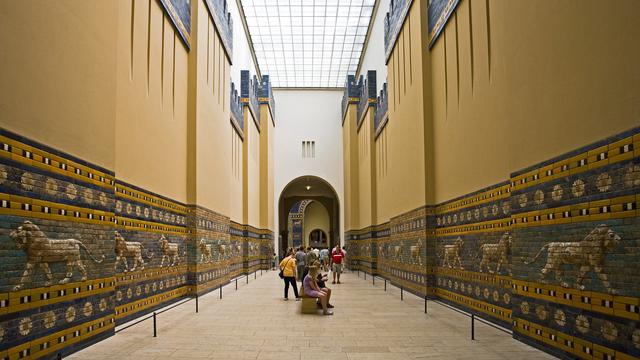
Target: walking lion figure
[
  {"x": 451, "y": 254},
  {"x": 588, "y": 254},
  {"x": 132, "y": 249},
  {"x": 169, "y": 252},
  {"x": 492, "y": 253},
  {"x": 42, "y": 251}
]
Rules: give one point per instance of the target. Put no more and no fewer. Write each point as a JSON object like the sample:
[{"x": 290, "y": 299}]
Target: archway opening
[{"x": 308, "y": 198}]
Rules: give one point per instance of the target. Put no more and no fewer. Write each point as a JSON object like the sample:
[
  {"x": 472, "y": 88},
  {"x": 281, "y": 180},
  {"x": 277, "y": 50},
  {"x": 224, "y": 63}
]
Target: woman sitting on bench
[{"x": 311, "y": 289}]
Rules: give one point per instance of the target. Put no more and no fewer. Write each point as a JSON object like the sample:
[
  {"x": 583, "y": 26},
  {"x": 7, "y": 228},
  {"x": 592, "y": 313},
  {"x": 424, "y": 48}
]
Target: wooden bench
[{"x": 308, "y": 305}]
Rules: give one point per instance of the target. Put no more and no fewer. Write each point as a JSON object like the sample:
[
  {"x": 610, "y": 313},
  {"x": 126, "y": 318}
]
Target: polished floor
[{"x": 255, "y": 323}]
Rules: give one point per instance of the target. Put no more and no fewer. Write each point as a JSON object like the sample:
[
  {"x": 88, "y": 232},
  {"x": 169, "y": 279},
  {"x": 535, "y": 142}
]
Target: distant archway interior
[{"x": 310, "y": 197}]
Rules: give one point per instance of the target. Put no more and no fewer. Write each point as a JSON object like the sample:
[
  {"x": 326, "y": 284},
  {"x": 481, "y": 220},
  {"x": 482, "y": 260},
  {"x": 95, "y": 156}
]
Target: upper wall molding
[
  {"x": 438, "y": 14},
  {"x": 179, "y": 12},
  {"x": 219, "y": 12},
  {"x": 237, "y": 119},
  {"x": 393, "y": 21}
]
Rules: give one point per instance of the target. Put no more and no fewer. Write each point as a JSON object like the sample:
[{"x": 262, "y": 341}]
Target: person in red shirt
[{"x": 337, "y": 255}]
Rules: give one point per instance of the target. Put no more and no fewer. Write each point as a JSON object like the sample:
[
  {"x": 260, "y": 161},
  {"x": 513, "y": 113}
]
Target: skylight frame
[{"x": 313, "y": 51}]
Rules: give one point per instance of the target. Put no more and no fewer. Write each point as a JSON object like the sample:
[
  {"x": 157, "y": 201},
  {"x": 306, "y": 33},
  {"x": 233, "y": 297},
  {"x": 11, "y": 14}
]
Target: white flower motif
[
  {"x": 129, "y": 293},
  {"x": 138, "y": 210},
  {"x": 577, "y": 189},
  {"x": 506, "y": 298},
  {"x": 118, "y": 206},
  {"x": 557, "y": 193},
  {"x": 485, "y": 212},
  {"x": 28, "y": 180},
  {"x": 455, "y": 218},
  {"x": 582, "y": 324},
  {"x": 49, "y": 319},
  {"x": 635, "y": 338},
  {"x": 538, "y": 197},
  {"x": 524, "y": 307},
  {"x": 506, "y": 208},
  {"x": 103, "y": 199},
  {"x": 609, "y": 331},
  {"x": 631, "y": 178},
  {"x": 72, "y": 192},
  {"x": 486, "y": 293},
  {"x": 70, "y": 314},
  {"x": 88, "y": 195},
  {"x": 129, "y": 208},
  {"x": 51, "y": 186},
  {"x": 560, "y": 317},
  {"x": 468, "y": 215},
  {"x": 87, "y": 310},
  {"x": 522, "y": 200},
  {"x": 603, "y": 182},
  {"x": 25, "y": 326},
  {"x": 102, "y": 305},
  {"x": 541, "y": 312},
  {"x": 494, "y": 210},
  {"x": 4, "y": 174},
  {"x": 477, "y": 291},
  {"x": 119, "y": 295},
  {"x": 146, "y": 212},
  {"x": 496, "y": 295}
]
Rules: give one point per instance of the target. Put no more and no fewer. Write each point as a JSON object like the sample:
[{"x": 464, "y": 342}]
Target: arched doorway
[
  {"x": 307, "y": 195},
  {"x": 318, "y": 239}
]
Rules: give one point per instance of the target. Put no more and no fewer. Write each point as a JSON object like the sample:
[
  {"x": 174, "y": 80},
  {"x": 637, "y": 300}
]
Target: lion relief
[
  {"x": 587, "y": 254},
  {"x": 42, "y": 251}
]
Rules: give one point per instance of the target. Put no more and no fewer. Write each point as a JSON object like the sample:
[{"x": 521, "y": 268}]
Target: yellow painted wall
[
  {"x": 366, "y": 205},
  {"x": 64, "y": 99},
  {"x": 400, "y": 149},
  {"x": 151, "y": 116},
  {"x": 266, "y": 169},
  {"x": 525, "y": 92},
  {"x": 237, "y": 176},
  {"x": 350, "y": 161},
  {"x": 209, "y": 154},
  {"x": 316, "y": 216},
  {"x": 251, "y": 161}
]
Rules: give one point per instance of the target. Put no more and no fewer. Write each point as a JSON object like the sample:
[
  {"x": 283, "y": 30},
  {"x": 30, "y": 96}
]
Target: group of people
[{"x": 305, "y": 265}]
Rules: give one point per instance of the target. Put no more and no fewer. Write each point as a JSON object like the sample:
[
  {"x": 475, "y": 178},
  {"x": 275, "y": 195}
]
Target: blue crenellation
[
  {"x": 236, "y": 108},
  {"x": 249, "y": 93},
  {"x": 265, "y": 93},
  {"x": 382, "y": 106},
  {"x": 351, "y": 91}
]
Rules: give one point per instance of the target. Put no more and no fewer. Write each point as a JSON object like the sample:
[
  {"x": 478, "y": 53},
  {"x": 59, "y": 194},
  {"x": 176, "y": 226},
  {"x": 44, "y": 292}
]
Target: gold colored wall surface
[
  {"x": 400, "y": 146},
  {"x": 266, "y": 169},
  {"x": 350, "y": 161},
  {"x": 251, "y": 160},
  {"x": 510, "y": 90},
  {"x": 366, "y": 185},
  {"x": 151, "y": 113},
  {"x": 208, "y": 114},
  {"x": 65, "y": 99}
]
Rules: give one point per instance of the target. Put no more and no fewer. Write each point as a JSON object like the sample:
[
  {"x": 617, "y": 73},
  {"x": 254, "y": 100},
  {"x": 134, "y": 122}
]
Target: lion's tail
[
  {"x": 90, "y": 254},
  {"x": 537, "y": 255}
]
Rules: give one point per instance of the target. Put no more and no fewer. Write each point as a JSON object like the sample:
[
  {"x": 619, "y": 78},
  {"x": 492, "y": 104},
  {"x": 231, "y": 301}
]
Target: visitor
[
  {"x": 274, "y": 261},
  {"x": 337, "y": 255},
  {"x": 288, "y": 268},
  {"x": 321, "y": 280},
  {"x": 312, "y": 257},
  {"x": 311, "y": 289},
  {"x": 324, "y": 259},
  {"x": 300, "y": 262}
]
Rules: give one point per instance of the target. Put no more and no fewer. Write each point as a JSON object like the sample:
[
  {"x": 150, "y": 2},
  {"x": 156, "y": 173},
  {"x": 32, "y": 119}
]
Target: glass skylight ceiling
[{"x": 308, "y": 43}]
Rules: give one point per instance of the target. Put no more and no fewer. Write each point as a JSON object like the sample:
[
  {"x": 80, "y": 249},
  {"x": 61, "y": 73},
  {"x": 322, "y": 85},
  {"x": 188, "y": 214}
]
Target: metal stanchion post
[
  {"x": 401, "y": 293},
  {"x": 196, "y": 303},
  {"x": 385, "y": 284},
  {"x": 220, "y": 291},
  {"x": 236, "y": 284},
  {"x": 374, "y": 280},
  {"x": 255, "y": 274},
  {"x": 155, "y": 333},
  {"x": 473, "y": 332},
  {"x": 425, "y": 304},
  {"x": 247, "y": 278}
]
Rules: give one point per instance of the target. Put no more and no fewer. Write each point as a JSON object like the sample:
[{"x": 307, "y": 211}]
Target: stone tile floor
[{"x": 255, "y": 323}]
